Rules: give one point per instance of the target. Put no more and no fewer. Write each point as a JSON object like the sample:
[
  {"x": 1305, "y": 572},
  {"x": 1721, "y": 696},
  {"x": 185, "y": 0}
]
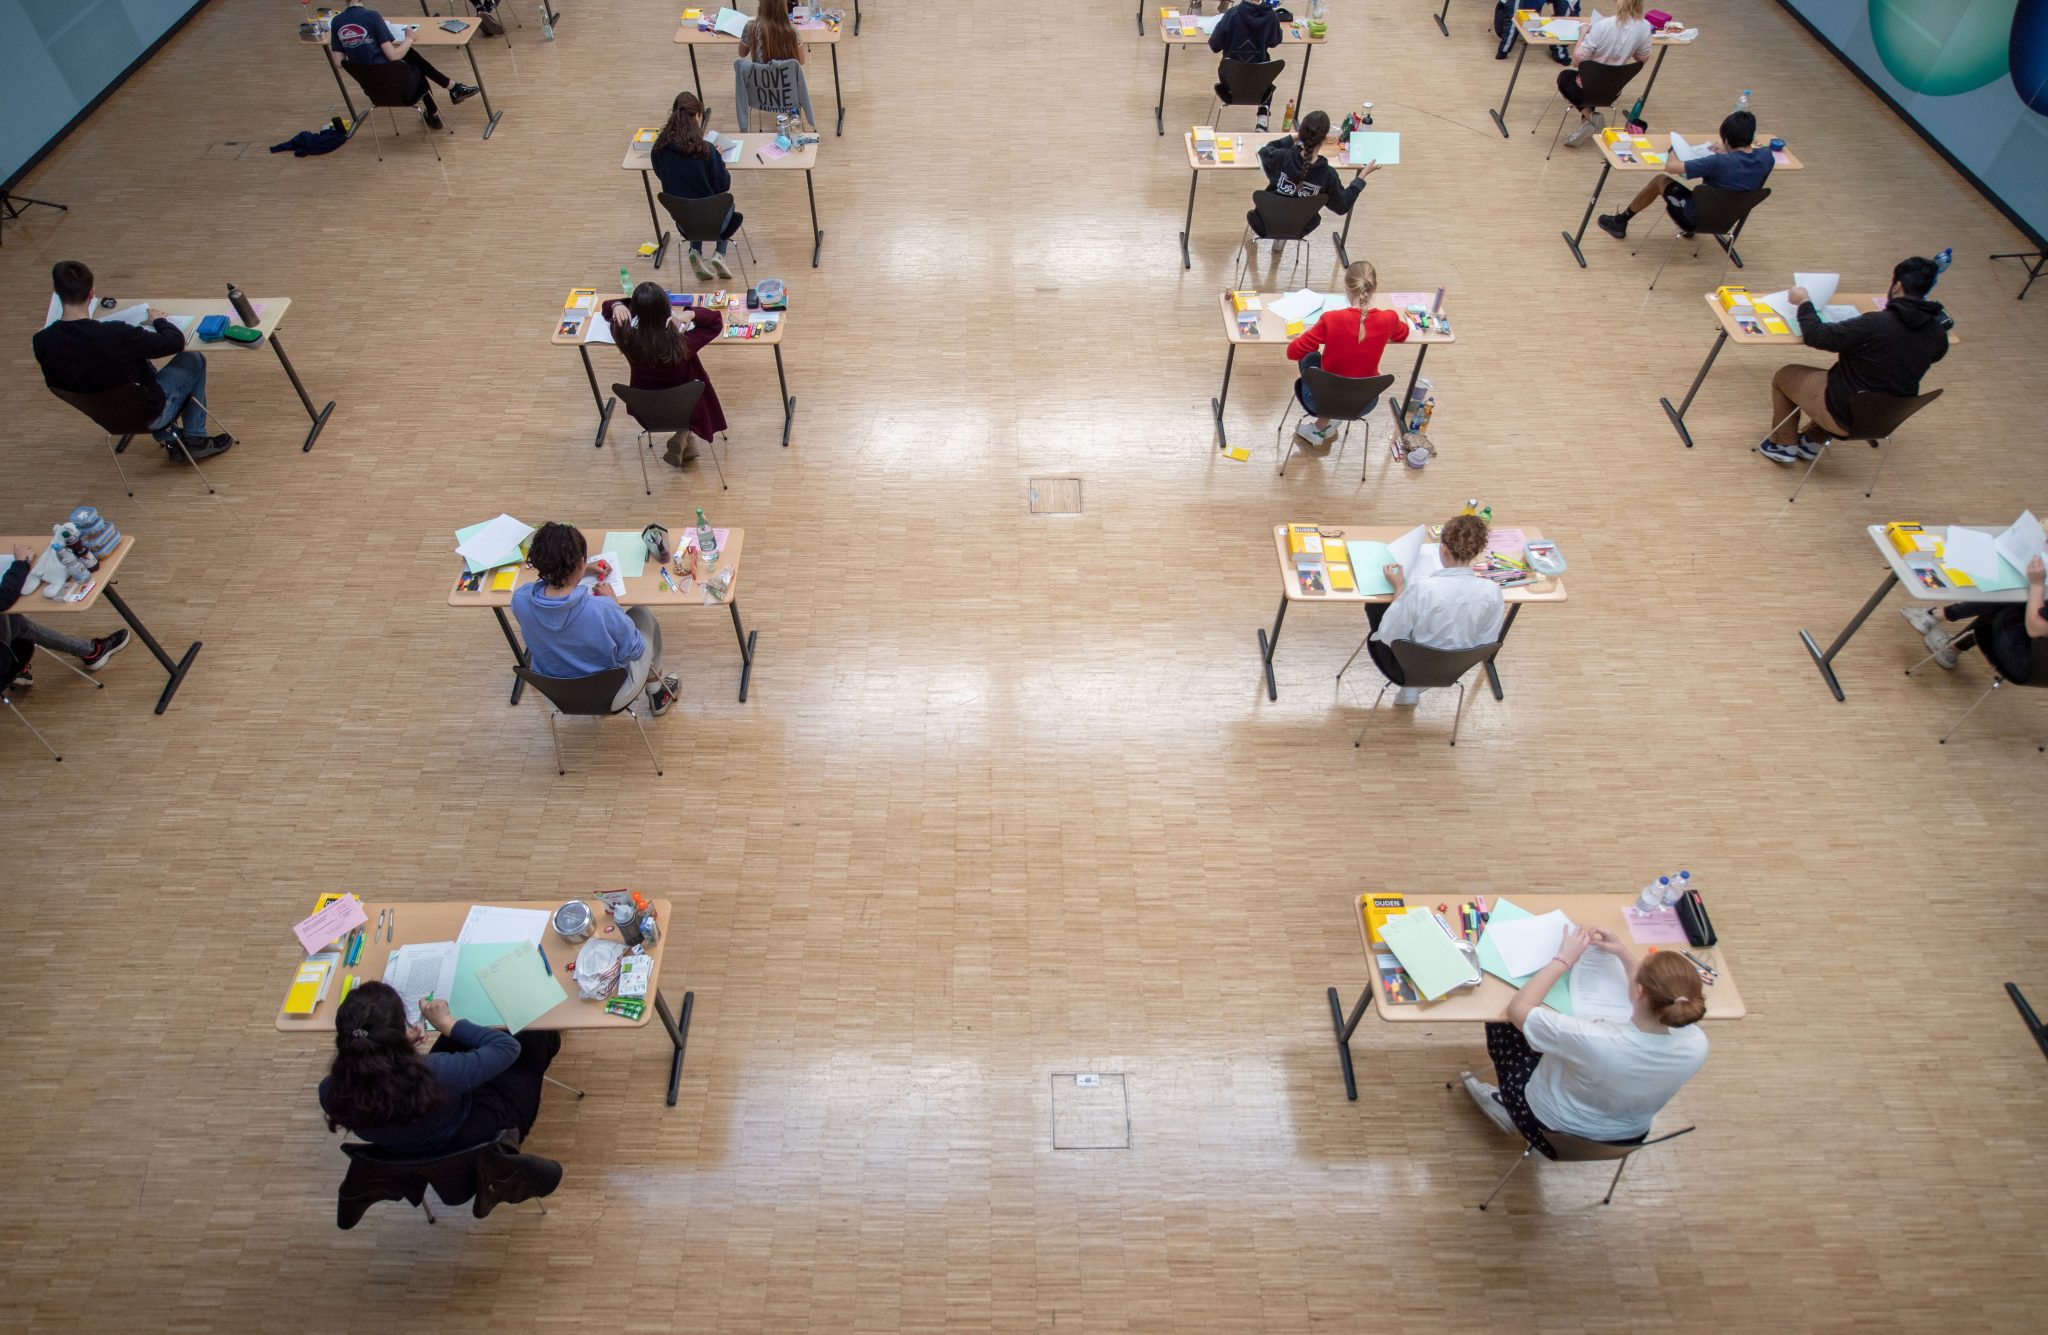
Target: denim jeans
[
  {"x": 183, "y": 379},
  {"x": 15, "y": 628}
]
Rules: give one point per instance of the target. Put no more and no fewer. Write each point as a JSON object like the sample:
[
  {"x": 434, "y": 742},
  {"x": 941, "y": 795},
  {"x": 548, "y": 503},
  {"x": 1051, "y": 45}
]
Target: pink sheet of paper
[
  {"x": 323, "y": 928},
  {"x": 1658, "y": 927},
  {"x": 1507, "y": 541}
]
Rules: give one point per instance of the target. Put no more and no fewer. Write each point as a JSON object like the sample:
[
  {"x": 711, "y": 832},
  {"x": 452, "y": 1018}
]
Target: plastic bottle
[
  {"x": 547, "y": 23},
  {"x": 625, "y": 282},
  {"x": 1742, "y": 103},
  {"x": 1679, "y": 885},
  {"x": 707, "y": 541},
  {"x": 1652, "y": 897},
  {"x": 1941, "y": 261},
  {"x": 628, "y": 923},
  {"x": 1287, "y": 116},
  {"x": 650, "y": 931}
]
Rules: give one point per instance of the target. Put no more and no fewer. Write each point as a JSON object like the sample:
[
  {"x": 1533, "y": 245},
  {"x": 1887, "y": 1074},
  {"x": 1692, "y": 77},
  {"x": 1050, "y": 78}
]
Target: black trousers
[
  {"x": 2001, "y": 631},
  {"x": 1383, "y": 657},
  {"x": 430, "y": 74},
  {"x": 512, "y": 1097}
]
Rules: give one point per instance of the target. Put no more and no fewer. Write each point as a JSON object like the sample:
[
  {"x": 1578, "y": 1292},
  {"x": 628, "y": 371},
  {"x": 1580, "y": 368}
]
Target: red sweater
[{"x": 1344, "y": 352}]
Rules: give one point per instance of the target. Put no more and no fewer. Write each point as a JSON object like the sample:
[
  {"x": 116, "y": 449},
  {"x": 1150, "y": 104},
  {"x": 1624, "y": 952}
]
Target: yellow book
[
  {"x": 1379, "y": 908},
  {"x": 645, "y": 135},
  {"x": 1340, "y": 579},
  {"x": 1732, "y": 296},
  {"x": 1610, "y": 135},
  {"x": 1774, "y": 325},
  {"x": 1294, "y": 328},
  {"x": 692, "y": 14},
  {"x": 1651, "y": 159},
  {"x": 1304, "y": 539},
  {"x": 307, "y": 987},
  {"x": 580, "y": 299},
  {"x": 1204, "y": 133},
  {"x": 1907, "y": 538},
  {"x": 503, "y": 581},
  {"x": 1224, "y": 153},
  {"x": 1245, "y": 301}
]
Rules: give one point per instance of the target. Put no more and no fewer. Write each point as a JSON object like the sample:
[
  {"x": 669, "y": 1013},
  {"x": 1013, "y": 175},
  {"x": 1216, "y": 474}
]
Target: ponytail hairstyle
[
  {"x": 1673, "y": 990},
  {"x": 685, "y": 129},
  {"x": 1361, "y": 280},
  {"x": 774, "y": 35},
  {"x": 650, "y": 339},
  {"x": 377, "y": 1079},
  {"x": 1313, "y": 129}
]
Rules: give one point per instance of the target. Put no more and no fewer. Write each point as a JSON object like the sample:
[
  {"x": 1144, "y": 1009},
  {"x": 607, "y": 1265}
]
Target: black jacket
[
  {"x": 1247, "y": 31},
  {"x": 688, "y": 177},
  {"x": 93, "y": 356},
  {"x": 1287, "y": 176},
  {"x": 1886, "y": 351},
  {"x": 497, "y": 1174}
]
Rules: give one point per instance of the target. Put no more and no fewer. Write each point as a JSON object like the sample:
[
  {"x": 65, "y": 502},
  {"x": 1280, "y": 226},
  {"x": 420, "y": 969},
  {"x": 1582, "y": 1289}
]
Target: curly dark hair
[
  {"x": 557, "y": 551},
  {"x": 377, "y": 1079},
  {"x": 1464, "y": 537}
]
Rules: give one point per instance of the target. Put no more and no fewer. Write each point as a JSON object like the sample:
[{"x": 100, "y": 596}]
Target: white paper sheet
[
  {"x": 1820, "y": 287},
  {"x": 1296, "y": 305},
  {"x": 1599, "y": 985},
  {"x": 488, "y": 925},
  {"x": 2023, "y": 541},
  {"x": 416, "y": 971},
  {"x": 1417, "y": 556},
  {"x": 137, "y": 315},
  {"x": 1685, "y": 150},
  {"x": 1208, "y": 24},
  {"x": 1527, "y": 944},
  {"x": 601, "y": 330},
  {"x": 1563, "y": 29},
  {"x": 1973, "y": 553},
  {"x": 730, "y": 21},
  {"x": 496, "y": 542}
]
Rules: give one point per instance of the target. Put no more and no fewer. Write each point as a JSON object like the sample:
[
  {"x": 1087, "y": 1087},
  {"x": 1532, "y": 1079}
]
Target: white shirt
[
  {"x": 1450, "y": 609},
  {"x": 1614, "y": 41},
  {"x": 1602, "y": 1079}
]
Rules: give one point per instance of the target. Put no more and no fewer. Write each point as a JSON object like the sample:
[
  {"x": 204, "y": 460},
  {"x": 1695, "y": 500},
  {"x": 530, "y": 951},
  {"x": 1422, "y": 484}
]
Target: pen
[{"x": 544, "y": 962}]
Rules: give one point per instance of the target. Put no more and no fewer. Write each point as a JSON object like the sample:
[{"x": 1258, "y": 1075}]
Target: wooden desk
[
  {"x": 36, "y": 607},
  {"x": 426, "y": 33},
  {"x": 644, "y": 590},
  {"x": 1291, "y": 34},
  {"x": 580, "y": 338},
  {"x": 1546, "y": 590},
  {"x": 1246, "y": 154},
  {"x": 812, "y": 32},
  {"x": 1729, "y": 330},
  {"x": 1273, "y": 331},
  {"x": 1488, "y": 1002},
  {"x": 270, "y": 312},
  {"x": 1531, "y": 34},
  {"x": 1624, "y": 155},
  {"x": 1899, "y": 573},
  {"x": 639, "y": 158},
  {"x": 422, "y": 923}
]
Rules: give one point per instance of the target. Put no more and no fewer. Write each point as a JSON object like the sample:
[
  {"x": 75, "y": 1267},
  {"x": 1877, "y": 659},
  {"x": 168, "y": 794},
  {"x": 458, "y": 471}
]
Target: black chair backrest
[
  {"x": 121, "y": 411},
  {"x": 1344, "y": 398},
  {"x": 391, "y": 84},
  {"x": 1424, "y": 666},
  {"x": 699, "y": 219},
  {"x": 661, "y": 409},
  {"x": 1246, "y": 84},
  {"x": 1577, "y": 1149},
  {"x": 1287, "y": 217},
  {"x": 419, "y": 1163},
  {"x": 1601, "y": 85},
  {"x": 1719, "y": 212},
  {"x": 1875, "y": 416},
  {"x": 591, "y": 695}
]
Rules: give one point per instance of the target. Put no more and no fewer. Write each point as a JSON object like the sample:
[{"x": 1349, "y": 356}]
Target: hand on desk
[
  {"x": 27, "y": 556},
  {"x": 1394, "y": 577},
  {"x": 1797, "y": 296},
  {"x": 155, "y": 315}
]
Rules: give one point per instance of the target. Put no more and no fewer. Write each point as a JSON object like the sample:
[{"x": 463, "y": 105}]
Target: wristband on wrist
[{"x": 1559, "y": 959}]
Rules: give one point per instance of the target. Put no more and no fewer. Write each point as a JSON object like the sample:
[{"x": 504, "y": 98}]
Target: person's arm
[
  {"x": 1401, "y": 328},
  {"x": 159, "y": 339},
  {"x": 15, "y": 577},
  {"x": 1602, "y": 939},
  {"x": 1273, "y": 156},
  {"x": 1538, "y": 987},
  {"x": 490, "y": 1054},
  {"x": 1220, "y": 34},
  {"x": 393, "y": 48},
  {"x": 704, "y": 326},
  {"x": 2037, "y": 574},
  {"x": 1343, "y": 197},
  {"x": 1399, "y": 617},
  {"x": 1309, "y": 340},
  {"x": 721, "y": 179},
  {"x": 627, "y": 643},
  {"x": 1830, "y": 337}
]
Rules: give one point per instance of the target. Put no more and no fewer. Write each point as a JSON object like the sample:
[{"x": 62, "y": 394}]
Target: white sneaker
[
  {"x": 1314, "y": 435},
  {"x": 1587, "y": 129},
  {"x": 1939, "y": 642},
  {"x": 1408, "y": 697},
  {"x": 1488, "y": 1099}
]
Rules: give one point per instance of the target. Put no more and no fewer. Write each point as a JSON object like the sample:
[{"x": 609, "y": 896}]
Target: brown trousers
[{"x": 1796, "y": 389}]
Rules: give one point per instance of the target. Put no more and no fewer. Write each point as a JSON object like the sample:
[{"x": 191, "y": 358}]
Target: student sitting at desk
[
  {"x": 1620, "y": 38},
  {"x": 1886, "y": 351},
  {"x": 1736, "y": 164},
  {"x": 1449, "y": 608},
  {"x": 2013, "y": 636},
  {"x": 19, "y": 636},
  {"x": 660, "y": 343},
  {"x": 1347, "y": 343},
  {"x": 81, "y": 355},
  {"x": 1595, "y": 1079},
  {"x": 475, "y": 1083},
  {"x": 360, "y": 36},
  {"x": 769, "y": 35},
  {"x": 1296, "y": 167},
  {"x": 689, "y": 168},
  {"x": 574, "y": 629},
  {"x": 1248, "y": 32}
]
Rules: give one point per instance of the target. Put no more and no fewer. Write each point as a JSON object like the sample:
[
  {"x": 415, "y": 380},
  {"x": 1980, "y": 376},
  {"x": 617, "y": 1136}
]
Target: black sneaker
[
  {"x": 22, "y": 680},
  {"x": 432, "y": 118},
  {"x": 201, "y": 447},
  {"x": 462, "y": 92},
  {"x": 1561, "y": 54},
  {"x": 104, "y": 648},
  {"x": 1615, "y": 225},
  {"x": 662, "y": 696}
]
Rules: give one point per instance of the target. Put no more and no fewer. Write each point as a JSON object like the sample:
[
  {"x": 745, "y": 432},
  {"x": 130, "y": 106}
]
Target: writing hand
[
  {"x": 1394, "y": 576},
  {"x": 1798, "y": 296},
  {"x": 436, "y": 1013},
  {"x": 155, "y": 315},
  {"x": 2037, "y": 571},
  {"x": 1574, "y": 946}
]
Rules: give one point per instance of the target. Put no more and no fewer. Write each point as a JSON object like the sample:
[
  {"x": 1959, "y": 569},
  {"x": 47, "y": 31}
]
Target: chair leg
[
  {"x": 1803, "y": 477},
  {"x": 712, "y": 445},
  {"x": 1245, "y": 250},
  {"x": 1510, "y": 1173},
  {"x": 111, "y": 449},
  {"x": 14, "y": 710},
  {"x": 1668, "y": 252},
  {"x": 556, "y": 737},
  {"x": 1354, "y": 657},
  {"x": 1560, "y": 131},
  {"x": 1458, "y": 718},
  {"x": 1921, "y": 664},
  {"x": 564, "y": 1084},
  {"x": 1286, "y": 452},
  {"x": 1877, "y": 472},
  {"x": 195, "y": 465},
  {"x": 1359, "y": 740},
  {"x": 648, "y": 438},
  {"x": 1953, "y": 727},
  {"x": 428, "y": 1208},
  {"x": 645, "y": 740},
  {"x": 1615, "y": 1181},
  {"x": 77, "y": 672}
]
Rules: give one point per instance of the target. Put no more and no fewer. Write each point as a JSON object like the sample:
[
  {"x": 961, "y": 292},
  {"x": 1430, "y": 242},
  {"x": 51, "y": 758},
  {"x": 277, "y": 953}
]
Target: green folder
[
  {"x": 1381, "y": 146},
  {"x": 1431, "y": 962},
  {"x": 470, "y": 1001},
  {"x": 630, "y": 548},
  {"x": 520, "y": 987},
  {"x": 1506, "y": 910},
  {"x": 1369, "y": 561}
]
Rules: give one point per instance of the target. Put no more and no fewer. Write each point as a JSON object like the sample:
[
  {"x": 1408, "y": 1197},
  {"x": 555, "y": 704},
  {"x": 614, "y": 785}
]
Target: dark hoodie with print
[
  {"x": 1885, "y": 351},
  {"x": 1285, "y": 172}
]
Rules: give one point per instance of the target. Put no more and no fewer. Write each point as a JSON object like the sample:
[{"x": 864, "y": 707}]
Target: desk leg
[
  {"x": 1216, "y": 404},
  {"x": 1300, "y": 89},
  {"x": 1141, "y": 19},
  {"x": 1677, "y": 415},
  {"x": 177, "y": 669},
  {"x": 788, "y": 399},
  {"x": 319, "y": 417},
  {"x": 2040, "y": 261},
  {"x": 1421, "y": 351},
  {"x": 1662, "y": 52},
  {"x": 1572, "y": 239},
  {"x": 678, "y": 1034},
  {"x": 1824, "y": 661},
  {"x": 604, "y": 405},
  {"x": 491, "y": 121},
  {"x": 817, "y": 232},
  {"x": 552, "y": 16},
  {"x": 746, "y": 639},
  {"x": 1159, "y": 111},
  {"x": 1268, "y": 644},
  {"x": 856, "y": 17},
  {"x": 1189, "y": 226},
  {"x": 1440, "y": 27},
  {"x": 518, "y": 652},
  {"x": 695, "y": 79},
  {"x": 838, "y": 102},
  {"x": 1521, "y": 53},
  {"x": 660, "y": 232},
  {"x": 1338, "y": 1021},
  {"x": 1492, "y": 674}
]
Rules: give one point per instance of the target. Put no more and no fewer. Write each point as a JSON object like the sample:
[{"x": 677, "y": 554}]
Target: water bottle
[
  {"x": 1941, "y": 262},
  {"x": 1742, "y": 103},
  {"x": 707, "y": 541},
  {"x": 244, "y": 312},
  {"x": 1679, "y": 885},
  {"x": 625, "y": 283},
  {"x": 547, "y": 23},
  {"x": 1652, "y": 897},
  {"x": 627, "y": 921}
]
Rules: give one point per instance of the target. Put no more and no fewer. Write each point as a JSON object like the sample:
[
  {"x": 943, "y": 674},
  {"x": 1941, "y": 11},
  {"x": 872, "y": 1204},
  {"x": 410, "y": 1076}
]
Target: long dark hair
[
  {"x": 377, "y": 1078},
  {"x": 775, "y": 33},
  {"x": 685, "y": 129},
  {"x": 650, "y": 338}
]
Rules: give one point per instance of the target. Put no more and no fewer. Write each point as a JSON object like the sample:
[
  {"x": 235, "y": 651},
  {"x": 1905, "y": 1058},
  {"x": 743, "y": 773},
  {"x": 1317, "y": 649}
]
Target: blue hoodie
[{"x": 576, "y": 635}]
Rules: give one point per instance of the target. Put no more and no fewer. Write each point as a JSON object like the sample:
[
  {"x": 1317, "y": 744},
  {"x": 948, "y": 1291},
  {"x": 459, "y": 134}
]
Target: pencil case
[
  {"x": 213, "y": 328},
  {"x": 1692, "y": 915},
  {"x": 238, "y": 333}
]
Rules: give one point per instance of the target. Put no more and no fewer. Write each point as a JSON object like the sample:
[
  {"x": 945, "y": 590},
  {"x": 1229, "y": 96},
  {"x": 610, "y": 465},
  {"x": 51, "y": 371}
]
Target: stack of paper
[
  {"x": 1599, "y": 987},
  {"x": 1820, "y": 289},
  {"x": 1297, "y": 307},
  {"x": 730, "y": 21},
  {"x": 1506, "y": 912},
  {"x": 520, "y": 988},
  {"x": 1416, "y": 554},
  {"x": 1685, "y": 150},
  {"x": 493, "y": 543},
  {"x": 2022, "y": 542},
  {"x": 1979, "y": 556},
  {"x": 419, "y": 971}
]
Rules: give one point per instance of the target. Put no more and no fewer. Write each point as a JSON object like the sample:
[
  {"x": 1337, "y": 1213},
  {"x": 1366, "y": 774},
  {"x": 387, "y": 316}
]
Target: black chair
[
  {"x": 1276, "y": 217},
  {"x": 1717, "y": 213},
  {"x": 488, "y": 1173},
  {"x": 1426, "y": 669},
  {"x": 1600, "y": 86},
  {"x": 2038, "y": 676},
  {"x": 391, "y": 85},
  {"x": 658, "y": 410},
  {"x": 1574, "y": 1149},
  {"x": 1245, "y": 84},
  {"x": 124, "y": 413},
  {"x": 1873, "y": 417},
  {"x": 9, "y": 670},
  {"x": 1341, "y": 398},
  {"x": 707, "y": 220},
  {"x": 587, "y": 697}
]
